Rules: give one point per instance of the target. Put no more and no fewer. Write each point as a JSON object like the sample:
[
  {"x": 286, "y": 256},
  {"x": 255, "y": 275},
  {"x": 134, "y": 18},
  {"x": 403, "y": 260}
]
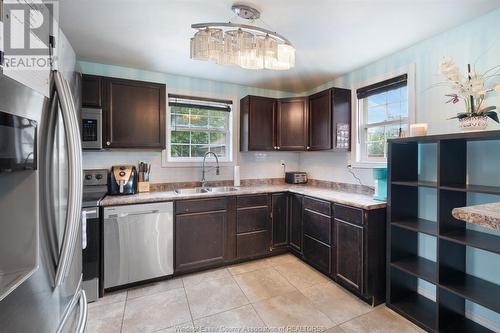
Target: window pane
[
  {"x": 179, "y": 110},
  {"x": 218, "y": 122},
  {"x": 376, "y": 141},
  {"x": 180, "y": 120},
  {"x": 394, "y": 111},
  {"x": 219, "y": 150},
  {"x": 217, "y": 138},
  {"x": 199, "y": 138},
  {"x": 199, "y": 121},
  {"x": 198, "y": 151},
  {"x": 378, "y": 99},
  {"x": 179, "y": 151},
  {"x": 376, "y": 114},
  {"x": 394, "y": 96},
  {"x": 200, "y": 112},
  {"x": 179, "y": 137}
]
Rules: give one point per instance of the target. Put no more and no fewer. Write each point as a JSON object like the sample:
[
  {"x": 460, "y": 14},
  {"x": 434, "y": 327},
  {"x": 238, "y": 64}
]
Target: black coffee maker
[{"x": 122, "y": 180}]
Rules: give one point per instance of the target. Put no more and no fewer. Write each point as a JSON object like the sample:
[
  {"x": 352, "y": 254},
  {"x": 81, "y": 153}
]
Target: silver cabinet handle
[
  {"x": 108, "y": 143},
  {"x": 75, "y": 181}
]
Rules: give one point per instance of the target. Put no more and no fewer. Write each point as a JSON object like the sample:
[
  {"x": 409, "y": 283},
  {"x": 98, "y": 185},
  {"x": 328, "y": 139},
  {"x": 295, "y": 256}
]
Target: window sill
[
  {"x": 368, "y": 165},
  {"x": 165, "y": 163}
]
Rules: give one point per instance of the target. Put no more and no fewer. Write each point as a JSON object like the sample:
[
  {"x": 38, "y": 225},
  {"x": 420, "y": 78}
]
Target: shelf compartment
[
  {"x": 419, "y": 267},
  {"x": 420, "y": 183},
  {"x": 472, "y": 188},
  {"x": 418, "y": 225},
  {"x": 475, "y": 239},
  {"x": 465, "y": 325},
  {"x": 477, "y": 290},
  {"x": 418, "y": 309}
]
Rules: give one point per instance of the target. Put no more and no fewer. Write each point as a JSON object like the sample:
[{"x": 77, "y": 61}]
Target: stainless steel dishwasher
[{"x": 138, "y": 243}]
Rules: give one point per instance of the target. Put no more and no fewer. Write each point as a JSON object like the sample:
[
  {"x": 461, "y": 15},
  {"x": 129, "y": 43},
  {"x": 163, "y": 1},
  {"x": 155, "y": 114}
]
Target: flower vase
[{"x": 474, "y": 123}]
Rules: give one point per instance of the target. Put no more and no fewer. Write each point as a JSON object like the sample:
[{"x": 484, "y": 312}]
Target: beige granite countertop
[
  {"x": 351, "y": 199},
  {"x": 487, "y": 215}
]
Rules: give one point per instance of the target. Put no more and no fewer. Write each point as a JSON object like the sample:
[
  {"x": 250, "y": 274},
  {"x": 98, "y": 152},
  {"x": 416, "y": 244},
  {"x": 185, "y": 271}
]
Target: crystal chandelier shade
[{"x": 247, "y": 46}]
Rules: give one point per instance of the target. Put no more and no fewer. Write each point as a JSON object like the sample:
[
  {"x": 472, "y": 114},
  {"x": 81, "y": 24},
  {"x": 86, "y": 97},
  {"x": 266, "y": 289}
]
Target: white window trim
[
  {"x": 356, "y": 149},
  {"x": 231, "y": 160}
]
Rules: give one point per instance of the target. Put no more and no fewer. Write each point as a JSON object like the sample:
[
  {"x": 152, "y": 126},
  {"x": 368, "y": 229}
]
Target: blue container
[{"x": 380, "y": 176}]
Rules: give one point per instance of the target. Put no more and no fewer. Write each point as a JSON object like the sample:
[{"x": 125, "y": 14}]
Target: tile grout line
[
  {"x": 187, "y": 301},
  {"x": 124, "y": 308},
  {"x": 251, "y": 304}
]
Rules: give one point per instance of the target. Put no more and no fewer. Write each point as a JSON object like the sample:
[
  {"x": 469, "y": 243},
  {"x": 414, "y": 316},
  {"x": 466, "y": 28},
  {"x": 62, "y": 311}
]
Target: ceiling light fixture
[{"x": 243, "y": 45}]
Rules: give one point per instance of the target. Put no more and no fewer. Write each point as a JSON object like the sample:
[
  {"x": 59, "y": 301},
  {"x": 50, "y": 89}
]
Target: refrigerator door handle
[
  {"x": 75, "y": 181},
  {"x": 82, "y": 321}
]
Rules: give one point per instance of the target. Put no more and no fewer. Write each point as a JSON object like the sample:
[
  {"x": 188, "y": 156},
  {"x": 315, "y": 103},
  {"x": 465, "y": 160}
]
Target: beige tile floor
[{"x": 270, "y": 293}]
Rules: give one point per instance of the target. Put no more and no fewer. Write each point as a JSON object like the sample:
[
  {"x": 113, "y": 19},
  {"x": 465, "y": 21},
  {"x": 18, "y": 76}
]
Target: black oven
[{"x": 17, "y": 143}]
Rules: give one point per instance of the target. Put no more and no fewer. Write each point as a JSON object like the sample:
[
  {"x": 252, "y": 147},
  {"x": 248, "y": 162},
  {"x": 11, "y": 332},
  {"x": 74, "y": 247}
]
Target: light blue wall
[
  {"x": 478, "y": 43},
  {"x": 179, "y": 83}
]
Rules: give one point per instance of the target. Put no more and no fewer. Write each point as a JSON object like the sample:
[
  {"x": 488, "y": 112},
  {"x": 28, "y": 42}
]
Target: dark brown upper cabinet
[
  {"x": 135, "y": 113},
  {"x": 92, "y": 91},
  {"x": 257, "y": 123},
  {"x": 291, "y": 124},
  {"x": 320, "y": 121},
  {"x": 330, "y": 120},
  {"x": 341, "y": 109}
]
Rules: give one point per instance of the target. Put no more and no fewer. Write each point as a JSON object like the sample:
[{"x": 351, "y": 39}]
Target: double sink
[{"x": 199, "y": 190}]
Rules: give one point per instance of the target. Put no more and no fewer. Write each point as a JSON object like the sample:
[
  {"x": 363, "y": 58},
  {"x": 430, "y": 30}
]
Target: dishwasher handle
[{"x": 145, "y": 212}]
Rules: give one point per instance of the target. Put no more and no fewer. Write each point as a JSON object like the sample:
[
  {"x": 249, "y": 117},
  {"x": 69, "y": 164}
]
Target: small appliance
[
  {"x": 122, "y": 180},
  {"x": 380, "y": 176},
  {"x": 95, "y": 187},
  {"x": 295, "y": 177},
  {"x": 91, "y": 128}
]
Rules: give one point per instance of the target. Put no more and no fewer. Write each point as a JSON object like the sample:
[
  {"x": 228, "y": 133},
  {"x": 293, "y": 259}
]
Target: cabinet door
[
  {"x": 92, "y": 91},
  {"x": 258, "y": 123},
  {"x": 292, "y": 124},
  {"x": 280, "y": 219},
  {"x": 135, "y": 113},
  {"x": 320, "y": 121},
  {"x": 296, "y": 222},
  {"x": 349, "y": 260},
  {"x": 199, "y": 240},
  {"x": 341, "y": 101}
]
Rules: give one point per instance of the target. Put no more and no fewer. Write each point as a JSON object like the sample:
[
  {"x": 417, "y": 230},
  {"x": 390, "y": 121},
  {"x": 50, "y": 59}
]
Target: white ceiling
[{"x": 332, "y": 37}]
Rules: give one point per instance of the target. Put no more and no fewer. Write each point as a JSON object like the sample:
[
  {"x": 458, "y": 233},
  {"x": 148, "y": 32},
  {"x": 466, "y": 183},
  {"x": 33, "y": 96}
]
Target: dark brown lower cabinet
[
  {"x": 295, "y": 222},
  {"x": 359, "y": 251},
  {"x": 317, "y": 238},
  {"x": 280, "y": 219},
  {"x": 253, "y": 226},
  {"x": 343, "y": 242},
  {"x": 200, "y": 233},
  {"x": 349, "y": 259}
]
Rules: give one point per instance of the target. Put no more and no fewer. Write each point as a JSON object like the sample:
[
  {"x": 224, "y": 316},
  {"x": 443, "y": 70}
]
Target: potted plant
[{"x": 472, "y": 90}]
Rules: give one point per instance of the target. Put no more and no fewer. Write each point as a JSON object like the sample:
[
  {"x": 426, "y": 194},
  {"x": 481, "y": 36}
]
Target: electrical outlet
[{"x": 282, "y": 162}]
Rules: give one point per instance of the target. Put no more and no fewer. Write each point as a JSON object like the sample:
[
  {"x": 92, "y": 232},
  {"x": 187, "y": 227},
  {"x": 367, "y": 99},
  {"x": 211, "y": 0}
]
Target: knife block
[{"x": 143, "y": 187}]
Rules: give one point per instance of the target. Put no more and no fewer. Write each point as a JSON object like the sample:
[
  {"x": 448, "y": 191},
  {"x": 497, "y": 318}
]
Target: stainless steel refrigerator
[{"x": 40, "y": 206}]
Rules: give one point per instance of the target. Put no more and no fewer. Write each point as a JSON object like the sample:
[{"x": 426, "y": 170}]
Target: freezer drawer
[{"x": 138, "y": 243}]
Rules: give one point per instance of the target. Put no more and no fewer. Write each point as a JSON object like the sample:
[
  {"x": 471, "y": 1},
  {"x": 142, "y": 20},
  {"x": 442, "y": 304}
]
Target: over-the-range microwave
[{"x": 91, "y": 128}]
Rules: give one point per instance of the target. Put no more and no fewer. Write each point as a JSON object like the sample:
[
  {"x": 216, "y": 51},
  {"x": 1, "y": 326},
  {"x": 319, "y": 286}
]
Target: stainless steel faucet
[{"x": 217, "y": 170}]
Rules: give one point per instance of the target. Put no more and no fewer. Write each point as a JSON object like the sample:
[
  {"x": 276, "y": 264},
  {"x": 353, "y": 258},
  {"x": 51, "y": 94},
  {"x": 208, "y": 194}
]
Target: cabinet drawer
[
  {"x": 252, "y": 244},
  {"x": 318, "y": 226},
  {"x": 317, "y": 254},
  {"x": 200, "y": 205},
  {"x": 251, "y": 200},
  {"x": 320, "y": 206},
  {"x": 252, "y": 219},
  {"x": 348, "y": 214}
]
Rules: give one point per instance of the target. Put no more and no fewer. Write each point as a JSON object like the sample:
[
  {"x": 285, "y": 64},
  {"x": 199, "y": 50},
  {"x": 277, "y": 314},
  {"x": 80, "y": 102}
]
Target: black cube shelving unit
[{"x": 448, "y": 273}]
